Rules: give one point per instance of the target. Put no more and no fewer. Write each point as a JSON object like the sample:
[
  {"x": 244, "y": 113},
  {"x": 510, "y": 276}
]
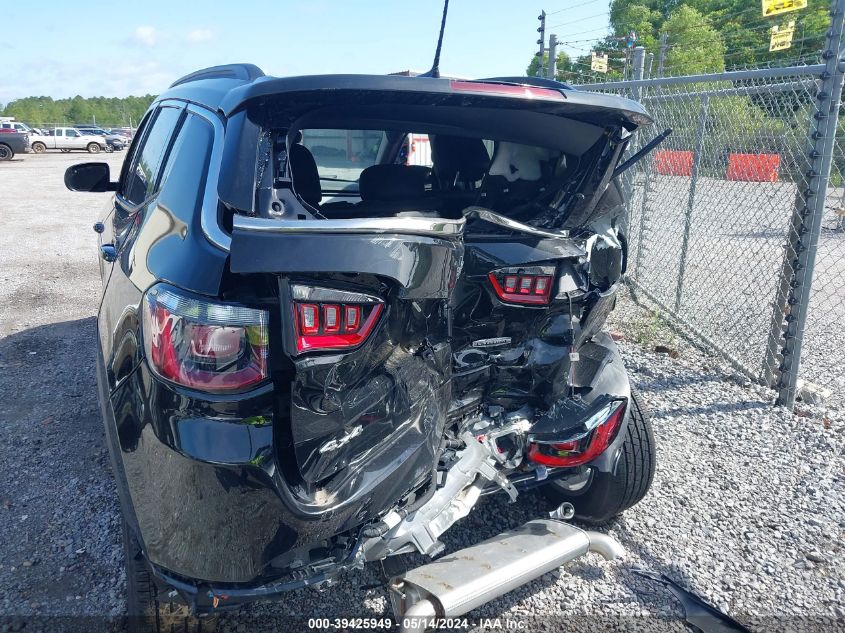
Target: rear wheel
[
  {"x": 6, "y": 152},
  {"x": 39, "y": 147},
  {"x": 609, "y": 494},
  {"x": 93, "y": 148},
  {"x": 148, "y": 611}
]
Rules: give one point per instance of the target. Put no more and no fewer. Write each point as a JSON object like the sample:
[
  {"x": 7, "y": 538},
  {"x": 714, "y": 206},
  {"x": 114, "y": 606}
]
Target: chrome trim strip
[
  {"x": 482, "y": 213},
  {"x": 208, "y": 215},
  {"x": 405, "y": 225}
]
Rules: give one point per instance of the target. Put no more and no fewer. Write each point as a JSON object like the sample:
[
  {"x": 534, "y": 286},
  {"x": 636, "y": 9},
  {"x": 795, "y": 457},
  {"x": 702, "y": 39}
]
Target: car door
[
  {"x": 62, "y": 140},
  {"x": 75, "y": 139},
  {"x": 135, "y": 199}
]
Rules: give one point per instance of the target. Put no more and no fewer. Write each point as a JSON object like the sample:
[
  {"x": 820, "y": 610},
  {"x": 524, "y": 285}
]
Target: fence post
[
  {"x": 772, "y": 359},
  {"x": 661, "y": 57},
  {"x": 805, "y": 239},
  {"x": 639, "y": 70},
  {"x": 628, "y": 177},
  {"x": 696, "y": 165}
]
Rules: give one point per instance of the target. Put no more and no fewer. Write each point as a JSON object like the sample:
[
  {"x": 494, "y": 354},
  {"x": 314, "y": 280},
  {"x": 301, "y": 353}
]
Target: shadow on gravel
[
  {"x": 57, "y": 496},
  {"x": 47, "y": 372}
]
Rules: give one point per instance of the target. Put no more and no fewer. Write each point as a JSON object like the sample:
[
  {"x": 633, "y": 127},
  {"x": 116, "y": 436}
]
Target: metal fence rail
[{"x": 735, "y": 224}]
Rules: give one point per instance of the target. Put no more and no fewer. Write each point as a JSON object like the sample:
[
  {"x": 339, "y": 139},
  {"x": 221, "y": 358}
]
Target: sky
[{"x": 115, "y": 49}]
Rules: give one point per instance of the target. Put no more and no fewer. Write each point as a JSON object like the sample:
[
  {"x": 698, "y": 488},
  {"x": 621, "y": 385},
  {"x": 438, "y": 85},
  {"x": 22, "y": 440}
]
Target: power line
[
  {"x": 722, "y": 19},
  {"x": 583, "y": 4},
  {"x": 687, "y": 44},
  {"x": 589, "y": 17},
  {"x": 601, "y": 28}
]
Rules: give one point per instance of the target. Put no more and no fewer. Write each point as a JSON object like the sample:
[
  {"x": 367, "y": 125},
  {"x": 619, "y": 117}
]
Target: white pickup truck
[{"x": 67, "y": 139}]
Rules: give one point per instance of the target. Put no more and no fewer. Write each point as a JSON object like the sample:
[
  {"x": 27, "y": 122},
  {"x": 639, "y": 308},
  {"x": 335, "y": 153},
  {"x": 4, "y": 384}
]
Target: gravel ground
[{"x": 747, "y": 507}]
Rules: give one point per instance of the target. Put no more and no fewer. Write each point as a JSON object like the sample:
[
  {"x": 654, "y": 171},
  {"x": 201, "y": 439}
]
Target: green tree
[
  {"x": 635, "y": 17},
  {"x": 564, "y": 64},
  {"x": 109, "y": 111},
  {"x": 699, "y": 47},
  {"x": 743, "y": 29},
  {"x": 79, "y": 110}
]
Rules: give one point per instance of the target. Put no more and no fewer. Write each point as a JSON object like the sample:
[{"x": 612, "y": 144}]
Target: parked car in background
[
  {"x": 114, "y": 142},
  {"x": 8, "y": 124},
  {"x": 67, "y": 139},
  {"x": 125, "y": 132},
  {"x": 12, "y": 143}
]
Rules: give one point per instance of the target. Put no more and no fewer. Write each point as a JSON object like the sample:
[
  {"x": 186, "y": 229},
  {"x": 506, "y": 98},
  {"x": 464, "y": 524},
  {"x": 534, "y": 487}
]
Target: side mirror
[{"x": 91, "y": 177}]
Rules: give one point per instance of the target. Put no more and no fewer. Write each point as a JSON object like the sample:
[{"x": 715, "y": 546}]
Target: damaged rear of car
[{"x": 333, "y": 354}]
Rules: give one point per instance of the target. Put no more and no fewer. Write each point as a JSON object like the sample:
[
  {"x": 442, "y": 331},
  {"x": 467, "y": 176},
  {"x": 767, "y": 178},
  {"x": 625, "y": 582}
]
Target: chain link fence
[{"x": 735, "y": 223}]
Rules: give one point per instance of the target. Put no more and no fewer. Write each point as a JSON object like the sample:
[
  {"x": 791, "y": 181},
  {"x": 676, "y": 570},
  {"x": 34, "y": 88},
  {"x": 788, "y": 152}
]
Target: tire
[
  {"x": 66, "y": 151},
  {"x": 610, "y": 494},
  {"x": 109, "y": 149},
  {"x": 38, "y": 147},
  {"x": 147, "y": 610},
  {"x": 93, "y": 148},
  {"x": 6, "y": 152}
]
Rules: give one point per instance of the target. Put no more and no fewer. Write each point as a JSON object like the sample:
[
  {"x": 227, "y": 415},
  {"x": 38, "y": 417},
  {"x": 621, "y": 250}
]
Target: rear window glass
[{"x": 341, "y": 155}]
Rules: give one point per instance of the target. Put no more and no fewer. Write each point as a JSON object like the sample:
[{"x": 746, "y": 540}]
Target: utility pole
[
  {"x": 661, "y": 55},
  {"x": 552, "y": 70},
  {"x": 542, "y": 41}
]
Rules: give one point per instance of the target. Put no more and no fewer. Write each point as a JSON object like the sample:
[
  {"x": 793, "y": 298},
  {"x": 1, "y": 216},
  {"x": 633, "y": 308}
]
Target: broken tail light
[
  {"x": 205, "y": 345},
  {"x": 328, "y": 319},
  {"x": 600, "y": 430},
  {"x": 531, "y": 286}
]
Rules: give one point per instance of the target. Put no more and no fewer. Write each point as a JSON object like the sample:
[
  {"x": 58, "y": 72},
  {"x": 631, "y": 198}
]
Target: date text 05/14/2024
[{"x": 372, "y": 624}]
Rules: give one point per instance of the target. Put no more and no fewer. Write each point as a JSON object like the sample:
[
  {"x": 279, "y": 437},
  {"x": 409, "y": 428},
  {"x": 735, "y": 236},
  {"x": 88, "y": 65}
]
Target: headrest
[
  {"x": 306, "y": 178},
  {"x": 393, "y": 182},
  {"x": 454, "y": 155}
]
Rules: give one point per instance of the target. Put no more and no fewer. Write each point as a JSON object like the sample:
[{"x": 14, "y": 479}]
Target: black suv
[{"x": 339, "y": 309}]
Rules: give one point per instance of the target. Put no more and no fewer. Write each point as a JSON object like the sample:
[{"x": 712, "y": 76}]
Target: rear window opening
[
  {"x": 383, "y": 173},
  {"x": 344, "y": 173},
  {"x": 336, "y": 156}
]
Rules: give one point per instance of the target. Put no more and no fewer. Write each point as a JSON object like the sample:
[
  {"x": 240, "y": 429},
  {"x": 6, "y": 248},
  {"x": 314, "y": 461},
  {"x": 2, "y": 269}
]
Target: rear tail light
[
  {"x": 214, "y": 347},
  {"x": 530, "y": 286},
  {"x": 328, "y": 319},
  {"x": 601, "y": 430}
]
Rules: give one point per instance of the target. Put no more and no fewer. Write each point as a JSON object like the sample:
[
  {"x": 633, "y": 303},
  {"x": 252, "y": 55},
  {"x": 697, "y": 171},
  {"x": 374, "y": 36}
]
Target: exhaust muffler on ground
[{"x": 464, "y": 580}]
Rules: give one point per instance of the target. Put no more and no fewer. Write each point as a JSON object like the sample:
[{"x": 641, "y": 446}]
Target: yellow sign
[
  {"x": 775, "y": 7},
  {"x": 599, "y": 62},
  {"x": 782, "y": 36}
]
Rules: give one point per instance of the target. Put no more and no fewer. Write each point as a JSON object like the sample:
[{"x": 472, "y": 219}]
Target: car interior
[{"x": 462, "y": 171}]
